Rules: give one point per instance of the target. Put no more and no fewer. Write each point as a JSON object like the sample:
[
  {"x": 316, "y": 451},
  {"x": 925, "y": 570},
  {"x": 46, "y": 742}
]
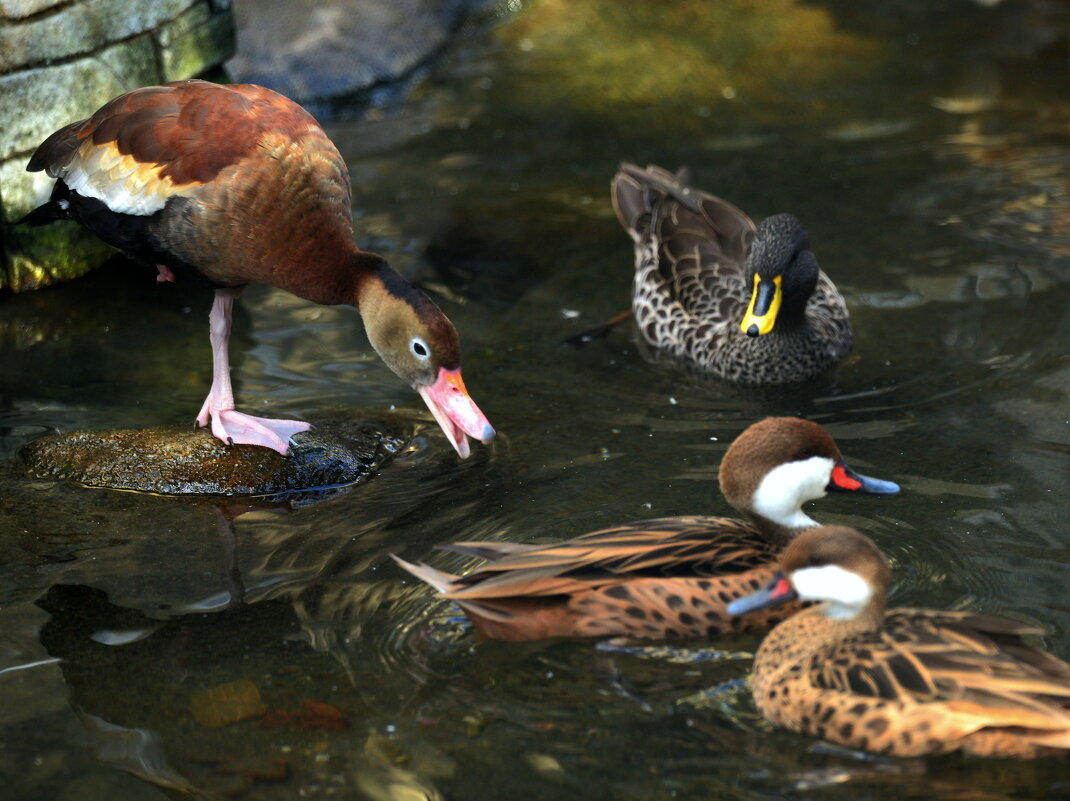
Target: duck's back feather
[
  {"x": 670, "y": 577},
  {"x": 924, "y": 682},
  {"x": 694, "y": 547}
]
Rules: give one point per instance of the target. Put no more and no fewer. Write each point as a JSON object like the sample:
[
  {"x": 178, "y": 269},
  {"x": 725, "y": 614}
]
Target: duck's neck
[
  {"x": 343, "y": 274},
  {"x": 845, "y": 625},
  {"x": 780, "y": 532},
  {"x": 812, "y": 630}
]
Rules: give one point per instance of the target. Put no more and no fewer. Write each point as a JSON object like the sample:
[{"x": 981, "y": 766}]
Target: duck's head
[
  {"x": 832, "y": 564},
  {"x": 779, "y": 463},
  {"x": 419, "y": 343},
  {"x": 782, "y": 273}
]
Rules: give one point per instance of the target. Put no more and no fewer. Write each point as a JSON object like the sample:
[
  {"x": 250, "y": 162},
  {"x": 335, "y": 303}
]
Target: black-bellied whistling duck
[
  {"x": 671, "y": 577},
  {"x": 239, "y": 184},
  {"x": 907, "y": 682}
]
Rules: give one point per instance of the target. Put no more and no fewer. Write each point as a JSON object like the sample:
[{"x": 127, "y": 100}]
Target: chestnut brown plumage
[
  {"x": 671, "y": 577},
  {"x": 237, "y": 184}
]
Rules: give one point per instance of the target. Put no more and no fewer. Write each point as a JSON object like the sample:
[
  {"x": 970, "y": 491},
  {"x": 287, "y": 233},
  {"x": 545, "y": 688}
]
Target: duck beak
[
  {"x": 455, "y": 411},
  {"x": 776, "y": 592},
  {"x": 844, "y": 479},
  {"x": 765, "y": 302}
]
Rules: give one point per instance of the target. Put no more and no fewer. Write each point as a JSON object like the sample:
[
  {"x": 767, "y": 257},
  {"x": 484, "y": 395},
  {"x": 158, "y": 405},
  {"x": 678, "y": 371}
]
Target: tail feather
[
  {"x": 57, "y": 208},
  {"x": 443, "y": 582},
  {"x": 491, "y": 551},
  {"x": 1058, "y": 739},
  {"x": 50, "y": 212},
  {"x": 631, "y": 202},
  {"x": 677, "y": 186}
]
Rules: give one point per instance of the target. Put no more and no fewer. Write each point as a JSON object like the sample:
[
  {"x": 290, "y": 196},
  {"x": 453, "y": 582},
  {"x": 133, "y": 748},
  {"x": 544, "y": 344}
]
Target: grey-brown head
[{"x": 782, "y": 272}]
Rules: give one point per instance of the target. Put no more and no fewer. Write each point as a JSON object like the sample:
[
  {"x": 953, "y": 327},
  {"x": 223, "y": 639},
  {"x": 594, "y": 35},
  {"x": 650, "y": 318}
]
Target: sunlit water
[{"x": 927, "y": 158}]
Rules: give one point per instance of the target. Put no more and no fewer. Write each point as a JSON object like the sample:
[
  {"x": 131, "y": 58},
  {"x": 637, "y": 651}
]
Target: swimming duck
[
  {"x": 233, "y": 184},
  {"x": 745, "y": 302},
  {"x": 667, "y": 577},
  {"x": 906, "y": 682}
]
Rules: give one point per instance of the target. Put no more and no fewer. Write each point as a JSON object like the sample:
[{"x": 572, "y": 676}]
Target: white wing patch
[
  {"x": 786, "y": 487},
  {"x": 847, "y": 593},
  {"x": 122, "y": 183}
]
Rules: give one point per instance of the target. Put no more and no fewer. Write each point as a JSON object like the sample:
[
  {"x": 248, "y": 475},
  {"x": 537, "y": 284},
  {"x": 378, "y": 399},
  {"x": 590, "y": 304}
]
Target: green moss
[
  {"x": 38, "y": 257},
  {"x": 193, "y": 43}
]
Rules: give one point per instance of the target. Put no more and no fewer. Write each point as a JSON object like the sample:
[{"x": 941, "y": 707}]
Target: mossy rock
[
  {"x": 39, "y": 257},
  {"x": 173, "y": 460}
]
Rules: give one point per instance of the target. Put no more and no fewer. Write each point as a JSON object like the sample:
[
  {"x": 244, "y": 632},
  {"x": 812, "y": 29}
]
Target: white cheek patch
[
  {"x": 847, "y": 593},
  {"x": 785, "y": 488}
]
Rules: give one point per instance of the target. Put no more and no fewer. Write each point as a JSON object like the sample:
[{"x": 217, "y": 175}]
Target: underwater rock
[
  {"x": 174, "y": 460},
  {"x": 228, "y": 703}
]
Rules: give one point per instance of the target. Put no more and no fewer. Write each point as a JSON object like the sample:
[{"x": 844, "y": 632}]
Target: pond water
[{"x": 923, "y": 145}]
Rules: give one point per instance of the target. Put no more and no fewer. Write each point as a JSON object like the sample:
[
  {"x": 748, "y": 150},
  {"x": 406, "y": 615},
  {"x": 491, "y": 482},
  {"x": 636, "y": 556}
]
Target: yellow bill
[{"x": 764, "y": 305}]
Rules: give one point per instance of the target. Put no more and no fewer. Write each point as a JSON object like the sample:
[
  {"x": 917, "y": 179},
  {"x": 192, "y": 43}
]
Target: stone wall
[{"x": 60, "y": 60}]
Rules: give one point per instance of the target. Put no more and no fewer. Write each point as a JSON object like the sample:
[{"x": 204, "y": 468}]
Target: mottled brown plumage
[
  {"x": 668, "y": 577},
  {"x": 906, "y": 682},
  {"x": 697, "y": 261},
  {"x": 235, "y": 184}
]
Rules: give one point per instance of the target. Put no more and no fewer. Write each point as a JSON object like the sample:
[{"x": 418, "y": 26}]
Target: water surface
[{"x": 924, "y": 146}]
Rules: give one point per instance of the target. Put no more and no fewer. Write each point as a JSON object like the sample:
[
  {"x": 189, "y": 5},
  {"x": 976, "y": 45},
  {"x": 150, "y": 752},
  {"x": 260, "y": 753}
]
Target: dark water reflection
[{"x": 924, "y": 145}]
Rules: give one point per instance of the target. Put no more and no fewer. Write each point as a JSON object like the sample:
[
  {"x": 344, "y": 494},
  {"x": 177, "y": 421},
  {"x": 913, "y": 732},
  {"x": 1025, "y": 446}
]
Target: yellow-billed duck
[{"x": 745, "y": 302}]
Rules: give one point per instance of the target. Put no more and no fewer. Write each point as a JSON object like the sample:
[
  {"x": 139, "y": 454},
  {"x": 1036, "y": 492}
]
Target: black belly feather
[{"x": 136, "y": 236}]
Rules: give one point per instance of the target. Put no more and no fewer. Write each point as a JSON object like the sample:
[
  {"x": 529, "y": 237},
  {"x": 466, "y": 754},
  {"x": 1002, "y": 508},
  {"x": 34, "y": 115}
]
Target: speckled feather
[
  {"x": 911, "y": 682},
  {"x": 664, "y": 578},
  {"x": 690, "y": 290},
  {"x": 667, "y": 577}
]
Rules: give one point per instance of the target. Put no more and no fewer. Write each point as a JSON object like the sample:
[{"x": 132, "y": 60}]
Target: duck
[
  {"x": 225, "y": 185},
  {"x": 746, "y": 303},
  {"x": 666, "y": 577},
  {"x": 902, "y": 682}
]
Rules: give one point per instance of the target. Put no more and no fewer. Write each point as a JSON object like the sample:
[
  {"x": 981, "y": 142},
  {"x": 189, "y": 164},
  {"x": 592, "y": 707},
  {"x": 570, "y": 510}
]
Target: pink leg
[
  {"x": 165, "y": 274},
  {"x": 228, "y": 425}
]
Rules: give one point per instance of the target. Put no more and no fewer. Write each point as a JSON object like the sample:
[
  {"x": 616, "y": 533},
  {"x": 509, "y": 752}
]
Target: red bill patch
[{"x": 844, "y": 481}]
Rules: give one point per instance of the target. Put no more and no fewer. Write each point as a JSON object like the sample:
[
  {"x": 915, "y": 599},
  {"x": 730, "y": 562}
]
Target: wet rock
[
  {"x": 173, "y": 460},
  {"x": 310, "y": 49},
  {"x": 228, "y": 703}
]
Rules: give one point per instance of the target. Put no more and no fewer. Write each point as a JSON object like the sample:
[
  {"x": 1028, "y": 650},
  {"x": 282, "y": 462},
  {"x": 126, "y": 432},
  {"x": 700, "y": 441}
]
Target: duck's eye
[
  {"x": 419, "y": 348},
  {"x": 815, "y": 560},
  {"x": 805, "y": 453}
]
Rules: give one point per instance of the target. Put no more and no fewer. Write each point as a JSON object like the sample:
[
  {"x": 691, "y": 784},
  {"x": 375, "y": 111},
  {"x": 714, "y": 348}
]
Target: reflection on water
[{"x": 938, "y": 203}]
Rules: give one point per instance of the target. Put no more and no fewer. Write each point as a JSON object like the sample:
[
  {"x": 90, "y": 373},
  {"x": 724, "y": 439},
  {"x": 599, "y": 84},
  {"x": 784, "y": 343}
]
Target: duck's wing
[
  {"x": 975, "y": 670},
  {"x": 146, "y": 146},
  {"x": 693, "y": 547},
  {"x": 700, "y": 241}
]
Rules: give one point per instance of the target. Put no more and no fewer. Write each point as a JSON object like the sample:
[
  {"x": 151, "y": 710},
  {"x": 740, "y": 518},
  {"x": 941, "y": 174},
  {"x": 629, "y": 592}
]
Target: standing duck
[
  {"x": 747, "y": 303},
  {"x": 669, "y": 577},
  {"x": 906, "y": 682},
  {"x": 234, "y": 184}
]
